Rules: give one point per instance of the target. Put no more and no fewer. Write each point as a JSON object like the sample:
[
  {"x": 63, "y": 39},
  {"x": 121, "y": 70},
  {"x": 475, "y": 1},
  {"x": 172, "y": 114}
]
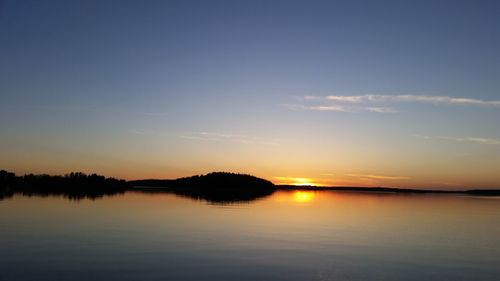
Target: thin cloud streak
[
  {"x": 381, "y": 109},
  {"x": 378, "y": 177},
  {"x": 153, "y": 114},
  {"x": 339, "y": 108},
  {"x": 406, "y": 98},
  {"x": 477, "y": 140},
  {"x": 381, "y": 103},
  {"x": 209, "y": 136}
]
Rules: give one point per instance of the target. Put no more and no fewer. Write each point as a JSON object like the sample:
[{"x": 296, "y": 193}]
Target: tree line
[{"x": 75, "y": 185}]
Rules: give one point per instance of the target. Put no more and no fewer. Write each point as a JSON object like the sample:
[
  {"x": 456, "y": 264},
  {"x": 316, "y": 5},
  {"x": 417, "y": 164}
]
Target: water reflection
[
  {"x": 303, "y": 196},
  {"x": 214, "y": 195},
  {"x": 73, "y": 195},
  {"x": 288, "y": 235}
]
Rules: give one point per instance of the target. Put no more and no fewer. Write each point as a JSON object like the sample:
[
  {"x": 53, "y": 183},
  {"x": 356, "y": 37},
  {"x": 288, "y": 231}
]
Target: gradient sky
[{"x": 392, "y": 93}]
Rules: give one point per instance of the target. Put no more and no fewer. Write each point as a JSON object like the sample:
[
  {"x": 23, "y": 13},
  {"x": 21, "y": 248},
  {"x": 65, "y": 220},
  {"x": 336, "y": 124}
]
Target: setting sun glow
[
  {"x": 303, "y": 181},
  {"x": 296, "y": 181}
]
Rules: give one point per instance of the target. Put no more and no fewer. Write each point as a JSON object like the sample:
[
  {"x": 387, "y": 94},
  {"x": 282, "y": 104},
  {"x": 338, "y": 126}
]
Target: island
[{"x": 217, "y": 187}]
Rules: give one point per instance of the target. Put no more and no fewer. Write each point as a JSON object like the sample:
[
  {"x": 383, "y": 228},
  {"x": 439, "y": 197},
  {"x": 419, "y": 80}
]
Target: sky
[{"x": 354, "y": 93}]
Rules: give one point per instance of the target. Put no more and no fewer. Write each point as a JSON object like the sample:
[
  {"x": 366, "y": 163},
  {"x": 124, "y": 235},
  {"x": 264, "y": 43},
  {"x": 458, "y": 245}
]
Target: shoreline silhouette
[
  {"x": 217, "y": 187},
  {"x": 73, "y": 186}
]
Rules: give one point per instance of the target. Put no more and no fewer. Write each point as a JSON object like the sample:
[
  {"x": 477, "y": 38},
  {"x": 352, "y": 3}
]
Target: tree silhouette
[{"x": 75, "y": 185}]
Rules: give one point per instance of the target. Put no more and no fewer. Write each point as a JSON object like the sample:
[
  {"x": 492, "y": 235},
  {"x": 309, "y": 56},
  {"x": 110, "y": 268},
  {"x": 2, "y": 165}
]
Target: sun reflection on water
[{"x": 300, "y": 196}]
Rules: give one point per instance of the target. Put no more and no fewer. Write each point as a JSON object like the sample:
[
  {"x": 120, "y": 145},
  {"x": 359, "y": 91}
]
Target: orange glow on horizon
[{"x": 296, "y": 181}]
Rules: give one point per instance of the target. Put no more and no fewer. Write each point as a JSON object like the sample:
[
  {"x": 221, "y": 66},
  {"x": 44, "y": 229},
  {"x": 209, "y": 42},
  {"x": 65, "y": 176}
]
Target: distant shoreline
[
  {"x": 479, "y": 192},
  {"x": 388, "y": 190}
]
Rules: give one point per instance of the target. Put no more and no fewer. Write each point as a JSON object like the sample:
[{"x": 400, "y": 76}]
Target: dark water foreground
[{"x": 289, "y": 235}]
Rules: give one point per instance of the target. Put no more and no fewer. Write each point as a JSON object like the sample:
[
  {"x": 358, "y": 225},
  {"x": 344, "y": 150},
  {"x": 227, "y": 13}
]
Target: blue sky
[{"x": 282, "y": 89}]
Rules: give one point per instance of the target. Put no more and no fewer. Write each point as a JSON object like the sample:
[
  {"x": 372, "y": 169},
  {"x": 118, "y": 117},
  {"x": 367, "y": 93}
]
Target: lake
[{"x": 289, "y": 235}]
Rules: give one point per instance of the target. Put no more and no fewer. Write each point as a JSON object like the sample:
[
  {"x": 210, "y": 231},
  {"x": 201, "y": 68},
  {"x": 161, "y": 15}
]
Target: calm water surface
[{"x": 292, "y": 235}]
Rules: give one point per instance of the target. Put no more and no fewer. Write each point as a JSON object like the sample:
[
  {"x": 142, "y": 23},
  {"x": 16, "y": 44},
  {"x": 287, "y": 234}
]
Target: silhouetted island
[{"x": 218, "y": 187}]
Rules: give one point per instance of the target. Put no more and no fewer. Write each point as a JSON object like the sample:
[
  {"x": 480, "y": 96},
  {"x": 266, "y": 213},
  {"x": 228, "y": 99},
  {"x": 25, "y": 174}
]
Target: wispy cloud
[
  {"x": 153, "y": 114},
  {"x": 381, "y": 109},
  {"x": 209, "y": 136},
  {"x": 484, "y": 140},
  {"x": 378, "y": 177},
  {"x": 339, "y": 108},
  {"x": 408, "y": 98},
  {"x": 380, "y": 103},
  {"x": 478, "y": 140}
]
